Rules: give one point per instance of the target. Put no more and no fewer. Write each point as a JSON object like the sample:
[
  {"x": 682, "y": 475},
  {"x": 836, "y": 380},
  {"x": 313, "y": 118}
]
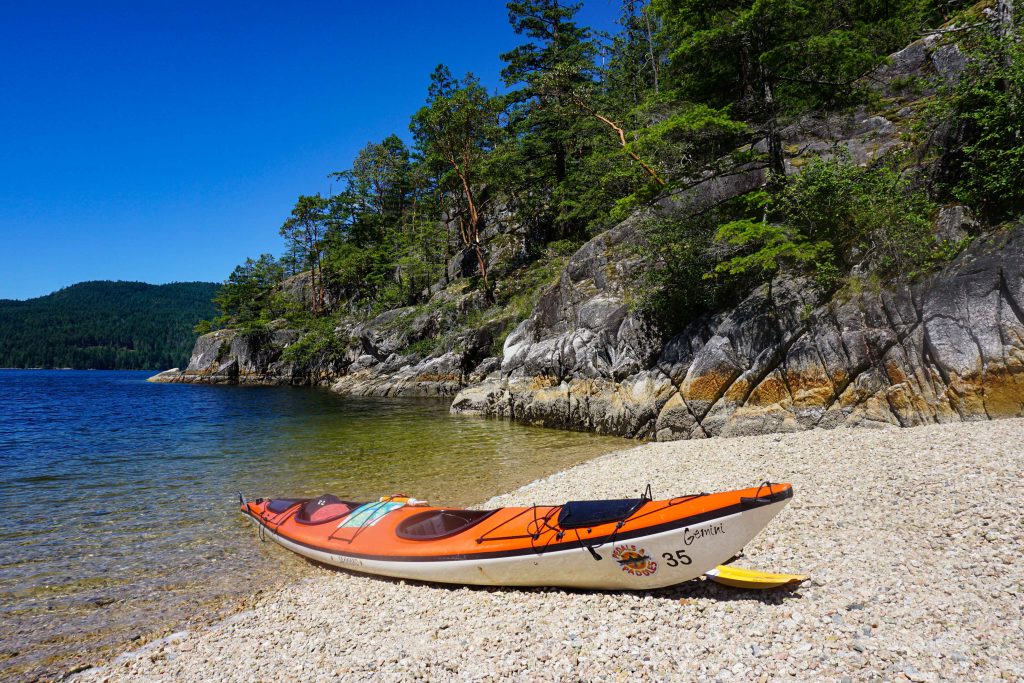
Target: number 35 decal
[{"x": 679, "y": 558}]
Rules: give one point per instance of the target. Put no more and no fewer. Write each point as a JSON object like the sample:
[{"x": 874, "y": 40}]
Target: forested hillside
[
  {"x": 497, "y": 189},
  {"x": 105, "y": 325}
]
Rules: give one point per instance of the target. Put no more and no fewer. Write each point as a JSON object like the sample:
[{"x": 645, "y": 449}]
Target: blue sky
[{"x": 166, "y": 141}]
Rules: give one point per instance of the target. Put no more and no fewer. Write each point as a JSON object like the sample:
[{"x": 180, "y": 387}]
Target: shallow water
[{"x": 121, "y": 502}]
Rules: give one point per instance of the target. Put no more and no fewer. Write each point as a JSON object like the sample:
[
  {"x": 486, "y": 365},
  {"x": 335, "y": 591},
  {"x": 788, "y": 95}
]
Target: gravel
[{"x": 912, "y": 538}]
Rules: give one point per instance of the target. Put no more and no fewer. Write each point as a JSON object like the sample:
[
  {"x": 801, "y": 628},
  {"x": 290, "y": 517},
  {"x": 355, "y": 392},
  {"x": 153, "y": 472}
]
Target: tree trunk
[
  {"x": 776, "y": 160},
  {"x": 311, "y": 255},
  {"x": 471, "y": 235},
  {"x": 559, "y": 150},
  {"x": 321, "y": 290}
]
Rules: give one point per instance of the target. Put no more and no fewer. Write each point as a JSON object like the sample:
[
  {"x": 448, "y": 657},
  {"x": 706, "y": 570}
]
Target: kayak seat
[
  {"x": 431, "y": 525},
  {"x": 586, "y": 513},
  {"x": 325, "y": 508}
]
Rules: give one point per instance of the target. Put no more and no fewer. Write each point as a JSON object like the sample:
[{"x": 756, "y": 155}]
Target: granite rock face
[
  {"x": 233, "y": 357},
  {"x": 950, "y": 348},
  {"x": 376, "y": 361}
]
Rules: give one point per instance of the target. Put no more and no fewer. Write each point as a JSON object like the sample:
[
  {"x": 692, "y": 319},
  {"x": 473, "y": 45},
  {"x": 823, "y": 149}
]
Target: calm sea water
[{"x": 121, "y": 514}]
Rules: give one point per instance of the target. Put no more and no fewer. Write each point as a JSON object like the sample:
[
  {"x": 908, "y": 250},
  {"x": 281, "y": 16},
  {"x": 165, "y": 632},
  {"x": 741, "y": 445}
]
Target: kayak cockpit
[{"x": 432, "y": 525}]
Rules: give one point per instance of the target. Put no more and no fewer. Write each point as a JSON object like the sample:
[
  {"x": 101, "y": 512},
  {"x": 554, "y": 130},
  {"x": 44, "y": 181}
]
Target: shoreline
[
  {"x": 114, "y": 576},
  {"x": 909, "y": 536}
]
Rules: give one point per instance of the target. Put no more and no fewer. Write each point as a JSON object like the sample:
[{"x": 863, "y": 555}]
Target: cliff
[{"x": 948, "y": 347}]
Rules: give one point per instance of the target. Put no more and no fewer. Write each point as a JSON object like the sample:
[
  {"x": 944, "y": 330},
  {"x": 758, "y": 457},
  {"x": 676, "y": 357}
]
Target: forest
[
  {"x": 105, "y": 325},
  {"x": 587, "y": 128}
]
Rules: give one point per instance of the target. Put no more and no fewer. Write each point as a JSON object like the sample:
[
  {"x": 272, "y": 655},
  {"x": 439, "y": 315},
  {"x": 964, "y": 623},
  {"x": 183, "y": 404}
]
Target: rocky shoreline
[
  {"x": 911, "y": 537},
  {"x": 946, "y": 347},
  {"x": 949, "y": 348}
]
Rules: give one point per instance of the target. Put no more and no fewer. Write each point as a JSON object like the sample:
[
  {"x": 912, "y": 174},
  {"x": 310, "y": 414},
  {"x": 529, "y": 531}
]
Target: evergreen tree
[
  {"x": 304, "y": 230},
  {"x": 630, "y": 73},
  {"x": 244, "y": 295},
  {"x": 542, "y": 115},
  {"x": 376, "y": 190},
  {"x": 768, "y": 58}
]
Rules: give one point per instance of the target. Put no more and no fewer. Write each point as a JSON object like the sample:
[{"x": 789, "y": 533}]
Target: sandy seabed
[{"x": 913, "y": 539}]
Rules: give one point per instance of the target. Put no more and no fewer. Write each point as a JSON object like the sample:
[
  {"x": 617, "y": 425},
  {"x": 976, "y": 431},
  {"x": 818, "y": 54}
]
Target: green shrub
[
  {"x": 564, "y": 247},
  {"x": 984, "y": 167},
  {"x": 875, "y": 216},
  {"x": 832, "y": 216},
  {"x": 319, "y": 344},
  {"x": 677, "y": 254}
]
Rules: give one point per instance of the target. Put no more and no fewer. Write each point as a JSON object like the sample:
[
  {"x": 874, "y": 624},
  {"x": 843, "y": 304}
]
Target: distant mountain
[{"x": 105, "y": 325}]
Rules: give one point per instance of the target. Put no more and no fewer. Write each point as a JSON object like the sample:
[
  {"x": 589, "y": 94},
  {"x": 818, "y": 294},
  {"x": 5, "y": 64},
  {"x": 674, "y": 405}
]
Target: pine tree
[{"x": 542, "y": 115}]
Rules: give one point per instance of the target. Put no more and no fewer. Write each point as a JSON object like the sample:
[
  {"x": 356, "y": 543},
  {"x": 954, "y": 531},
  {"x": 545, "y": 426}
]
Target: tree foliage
[
  {"x": 774, "y": 246},
  {"x": 244, "y": 295},
  {"x": 541, "y": 109},
  {"x": 304, "y": 231},
  {"x": 594, "y": 126},
  {"x": 456, "y": 130}
]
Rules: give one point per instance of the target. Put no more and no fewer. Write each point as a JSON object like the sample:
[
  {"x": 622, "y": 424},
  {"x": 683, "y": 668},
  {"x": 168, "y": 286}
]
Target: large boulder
[{"x": 299, "y": 289}]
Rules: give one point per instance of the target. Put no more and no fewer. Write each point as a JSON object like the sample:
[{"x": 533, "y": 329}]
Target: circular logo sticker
[{"x": 634, "y": 560}]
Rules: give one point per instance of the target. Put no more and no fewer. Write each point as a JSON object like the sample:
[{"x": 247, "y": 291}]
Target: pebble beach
[{"x": 912, "y": 539}]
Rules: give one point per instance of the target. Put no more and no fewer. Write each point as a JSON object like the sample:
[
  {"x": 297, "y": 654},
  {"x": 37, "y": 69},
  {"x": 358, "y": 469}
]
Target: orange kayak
[{"x": 634, "y": 543}]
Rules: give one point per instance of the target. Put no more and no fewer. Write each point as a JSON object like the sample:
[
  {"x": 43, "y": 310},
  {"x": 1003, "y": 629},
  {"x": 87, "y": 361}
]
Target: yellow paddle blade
[{"x": 738, "y": 577}]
